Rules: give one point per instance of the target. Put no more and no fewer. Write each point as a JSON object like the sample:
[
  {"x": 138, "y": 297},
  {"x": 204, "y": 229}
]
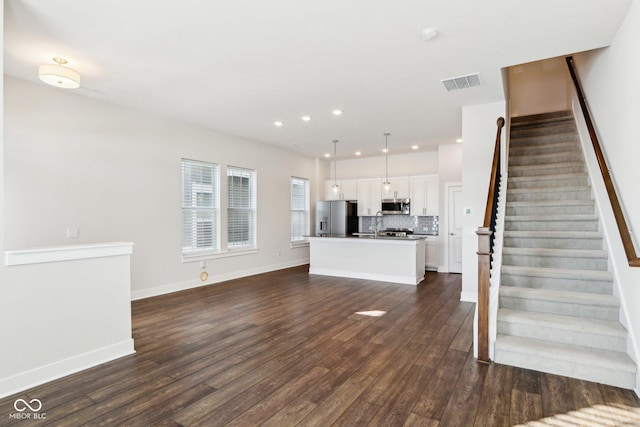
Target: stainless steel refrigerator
[{"x": 336, "y": 217}]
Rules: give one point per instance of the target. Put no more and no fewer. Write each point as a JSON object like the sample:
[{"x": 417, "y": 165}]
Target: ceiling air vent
[{"x": 462, "y": 82}]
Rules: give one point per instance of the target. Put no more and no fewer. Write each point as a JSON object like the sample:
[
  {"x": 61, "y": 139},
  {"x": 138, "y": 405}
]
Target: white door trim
[{"x": 445, "y": 232}]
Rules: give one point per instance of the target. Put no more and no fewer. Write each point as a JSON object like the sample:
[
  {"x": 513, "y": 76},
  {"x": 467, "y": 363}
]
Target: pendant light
[
  {"x": 335, "y": 161},
  {"x": 386, "y": 183},
  {"x": 59, "y": 76}
]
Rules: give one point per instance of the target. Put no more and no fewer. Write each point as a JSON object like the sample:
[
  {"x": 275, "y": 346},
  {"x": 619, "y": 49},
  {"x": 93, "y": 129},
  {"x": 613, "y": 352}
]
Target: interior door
[{"x": 455, "y": 228}]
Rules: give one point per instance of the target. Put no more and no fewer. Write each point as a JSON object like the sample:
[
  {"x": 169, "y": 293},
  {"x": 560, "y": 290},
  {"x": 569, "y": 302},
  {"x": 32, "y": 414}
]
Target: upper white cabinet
[
  {"x": 425, "y": 195},
  {"x": 369, "y": 196},
  {"x": 399, "y": 188},
  {"x": 347, "y": 190}
]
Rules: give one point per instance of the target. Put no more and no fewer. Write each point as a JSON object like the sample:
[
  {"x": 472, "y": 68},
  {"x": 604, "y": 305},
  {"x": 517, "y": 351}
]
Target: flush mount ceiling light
[
  {"x": 59, "y": 76},
  {"x": 459, "y": 140},
  {"x": 306, "y": 118},
  {"x": 414, "y": 147},
  {"x": 278, "y": 123},
  {"x": 337, "y": 112}
]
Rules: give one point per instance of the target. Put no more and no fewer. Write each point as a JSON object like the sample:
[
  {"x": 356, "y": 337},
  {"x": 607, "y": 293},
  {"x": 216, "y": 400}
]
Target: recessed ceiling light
[
  {"x": 278, "y": 123},
  {"x": 327, "y": 155},
  {"x": 459, "y": 140},
  {"x": 414, "y": 147},
  {"x": 358, "y": 153},
  {"x": 306, "y": 118},
  {"x": 337, "y": 112},
  {"x": 385, "y": 150}
]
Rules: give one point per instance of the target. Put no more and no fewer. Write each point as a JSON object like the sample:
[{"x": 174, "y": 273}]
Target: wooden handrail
[
  {"x": 495, "y": 170},
  {"x": 485, "y": 250},
  {"x": 625, "y": 234}
]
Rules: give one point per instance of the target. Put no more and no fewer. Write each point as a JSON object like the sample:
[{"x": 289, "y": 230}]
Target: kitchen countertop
[{"x": 370, "y": 236}]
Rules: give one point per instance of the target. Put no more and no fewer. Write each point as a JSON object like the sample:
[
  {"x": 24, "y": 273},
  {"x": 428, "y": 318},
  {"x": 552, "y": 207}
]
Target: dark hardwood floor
[{"x": 285, "y": 348}]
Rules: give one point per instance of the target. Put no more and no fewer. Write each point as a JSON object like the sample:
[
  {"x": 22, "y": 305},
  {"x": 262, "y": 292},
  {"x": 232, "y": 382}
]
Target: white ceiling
[{"x": 238, "y": 66}]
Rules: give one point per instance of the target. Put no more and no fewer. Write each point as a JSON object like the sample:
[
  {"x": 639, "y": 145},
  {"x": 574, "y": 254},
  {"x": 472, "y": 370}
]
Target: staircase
[{"x": 557, "y": 312}]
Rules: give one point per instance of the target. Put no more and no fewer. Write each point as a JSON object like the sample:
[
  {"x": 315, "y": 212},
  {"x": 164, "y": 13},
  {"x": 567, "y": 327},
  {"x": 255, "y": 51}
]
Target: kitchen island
[{"x": 386, "y": 259}]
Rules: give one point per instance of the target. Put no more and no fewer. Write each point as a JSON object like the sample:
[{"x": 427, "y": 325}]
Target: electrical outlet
[{"x": 73, "y": 233}]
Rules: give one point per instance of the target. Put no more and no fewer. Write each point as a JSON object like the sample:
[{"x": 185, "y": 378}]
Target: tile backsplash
[{"x": 419, "y": 224}]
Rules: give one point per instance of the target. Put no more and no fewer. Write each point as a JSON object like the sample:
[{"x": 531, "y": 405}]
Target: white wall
[
  {"x": 479, "y": 135},
  {"x": 424, "y": 163},
  {"x": 114, "y": 173},
  {"x": 611, "y": 86},
  {"x": 539, "y": 87},
  {"x": 2, "y": 266}
]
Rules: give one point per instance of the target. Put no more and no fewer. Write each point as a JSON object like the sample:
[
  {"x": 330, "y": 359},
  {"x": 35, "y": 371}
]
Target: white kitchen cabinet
[
  {"x": 349, "y": 189},
  {"x": 433, "y": 195},
  {"x": 398, "y": 188},
  {"x": 424, "y": 195},
  {"x": 431, "y": 253},
  {"x": 346, "y": 190},
  {"x": 369, "y": 196}
]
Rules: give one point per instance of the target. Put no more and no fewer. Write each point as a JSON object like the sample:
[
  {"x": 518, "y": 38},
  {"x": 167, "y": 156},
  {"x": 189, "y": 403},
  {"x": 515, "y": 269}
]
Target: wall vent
[{"x": 462, "y": 82}]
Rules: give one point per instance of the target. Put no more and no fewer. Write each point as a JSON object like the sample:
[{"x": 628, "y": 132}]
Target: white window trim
[
  {"x": 302, "y": 242},
  {"x": 244, "y": 249},
  {"x": 215, "y": 209}
]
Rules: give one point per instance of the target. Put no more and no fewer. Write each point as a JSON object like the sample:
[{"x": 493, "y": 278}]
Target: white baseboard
[
  {"x": 189, "y": 284},
  {"x": 25, "y": 380},
  {"x": 403, "y": 280},
  {"x": 469, "y": 296}
]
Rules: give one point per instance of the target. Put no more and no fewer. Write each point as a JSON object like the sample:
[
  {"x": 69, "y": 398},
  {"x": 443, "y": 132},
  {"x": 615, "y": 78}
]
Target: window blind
[
  {"x": 241, "y": 209},
  {"x": 200, "y": 207},
  {"x": 299, "y": 209}
]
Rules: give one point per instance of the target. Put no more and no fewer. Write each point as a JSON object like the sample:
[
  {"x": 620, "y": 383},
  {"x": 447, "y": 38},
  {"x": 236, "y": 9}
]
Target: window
[
  {"x": 299, "y": 209},
  {"x": 199, "y": 207},
  {"x": 241, "y": 226}
]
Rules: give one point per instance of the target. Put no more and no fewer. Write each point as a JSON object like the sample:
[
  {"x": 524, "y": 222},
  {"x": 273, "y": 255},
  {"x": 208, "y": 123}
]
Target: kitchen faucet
[{"x": 378, "y": 222}]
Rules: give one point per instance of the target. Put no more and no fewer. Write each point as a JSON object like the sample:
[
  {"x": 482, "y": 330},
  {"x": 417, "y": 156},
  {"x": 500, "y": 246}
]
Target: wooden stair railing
[
  {"x": 485, "y": 250},
  {"x": 625, "y": 233}
]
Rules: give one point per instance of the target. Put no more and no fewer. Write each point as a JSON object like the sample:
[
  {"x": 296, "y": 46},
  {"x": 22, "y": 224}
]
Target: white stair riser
[
  {"x": 555, "y": 262},
  {"x": 565, "y": 336},
  {"x": 577, "y": 194},
  {"x": 554, "y": 147},
  {"x": 558, "y": 284},
  {"x": 616, "y": 378},
  {"x": 549, "y": 183},
  {"x": 553, "y": 129},
  {"x": 552, "y": 117},
  {"x": 552, "y": 243},
  {"x": 546, "y": 169},
  {"x": 550, "y": 225},
  {"x": 554, "y": 307},
  {"x": 542, "y": 141},
  {"x": 559, "y": 209},
  {"x": 543, "y": 159}
]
